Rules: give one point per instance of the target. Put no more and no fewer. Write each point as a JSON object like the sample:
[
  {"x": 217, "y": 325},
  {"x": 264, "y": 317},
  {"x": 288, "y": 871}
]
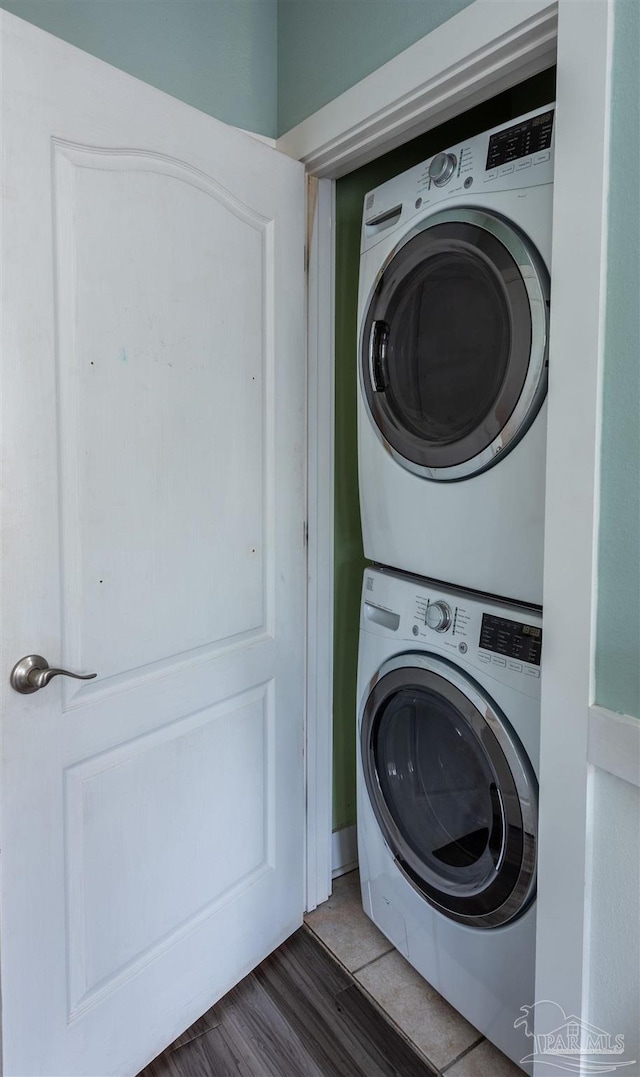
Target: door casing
[{"x": 487, "y": 48}]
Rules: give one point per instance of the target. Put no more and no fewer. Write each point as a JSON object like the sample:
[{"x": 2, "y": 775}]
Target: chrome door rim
[
  {"x": 519, "y": 766},
  {"x": 535, "y": 278}
]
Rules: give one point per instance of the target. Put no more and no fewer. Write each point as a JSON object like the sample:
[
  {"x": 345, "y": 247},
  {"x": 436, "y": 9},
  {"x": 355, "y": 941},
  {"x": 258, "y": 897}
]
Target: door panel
[
  {"x": 153, "y": 415},
  {"x": 160, "y": 354},
  {"x": 116, "y": 929}
]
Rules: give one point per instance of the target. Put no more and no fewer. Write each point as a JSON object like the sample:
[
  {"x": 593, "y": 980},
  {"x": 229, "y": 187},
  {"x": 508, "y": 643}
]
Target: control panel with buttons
[
  {"x": 497, "y": 638},
  {"x": 520, "y": 140},
  {"x": 510, "y": 156}
]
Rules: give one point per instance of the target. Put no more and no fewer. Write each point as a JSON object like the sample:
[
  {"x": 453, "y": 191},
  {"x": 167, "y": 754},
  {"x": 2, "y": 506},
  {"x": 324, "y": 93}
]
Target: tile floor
[{"x": 436, "y": 1030}]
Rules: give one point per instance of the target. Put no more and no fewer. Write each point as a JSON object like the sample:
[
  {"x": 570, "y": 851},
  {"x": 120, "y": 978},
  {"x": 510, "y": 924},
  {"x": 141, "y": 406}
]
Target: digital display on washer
[
  {"x": 532, "y": 136},
  {"x": 511, "y": 638}
]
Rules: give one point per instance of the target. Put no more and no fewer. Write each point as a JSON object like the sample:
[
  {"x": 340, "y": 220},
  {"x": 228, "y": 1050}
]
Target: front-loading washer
[
  {"x": 448, "y": 731},
  {"x": 453, "y": 316}
]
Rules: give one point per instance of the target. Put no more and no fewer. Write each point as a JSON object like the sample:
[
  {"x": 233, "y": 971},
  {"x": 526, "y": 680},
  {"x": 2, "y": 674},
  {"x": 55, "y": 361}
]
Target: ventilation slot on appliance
[{"x": 383, "y": 220}]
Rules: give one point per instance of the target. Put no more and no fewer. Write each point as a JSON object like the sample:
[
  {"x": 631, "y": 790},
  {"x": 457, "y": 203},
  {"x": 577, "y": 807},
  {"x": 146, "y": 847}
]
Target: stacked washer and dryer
[{"x": 453, "y": 334}]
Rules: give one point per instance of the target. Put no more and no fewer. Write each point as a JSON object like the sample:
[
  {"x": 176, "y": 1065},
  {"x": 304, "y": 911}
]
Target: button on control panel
[
  {"x": 451, "y": 622},
  {"x": 438, "y": 616},
  {"x": 442, "y": 168}
]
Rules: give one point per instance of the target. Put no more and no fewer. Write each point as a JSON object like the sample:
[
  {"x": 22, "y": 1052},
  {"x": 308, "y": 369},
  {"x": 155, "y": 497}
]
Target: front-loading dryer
[
  {"x": 448, "y": 731},
  {"x": 453, "y": 316}
]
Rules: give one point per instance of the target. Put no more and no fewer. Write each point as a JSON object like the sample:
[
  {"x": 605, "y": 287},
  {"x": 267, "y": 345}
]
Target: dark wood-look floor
[{"x": 299, "y": 1014}]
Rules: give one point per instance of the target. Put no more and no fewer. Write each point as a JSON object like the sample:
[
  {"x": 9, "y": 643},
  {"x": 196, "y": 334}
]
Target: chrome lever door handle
[{"x": 34, "y": 672}]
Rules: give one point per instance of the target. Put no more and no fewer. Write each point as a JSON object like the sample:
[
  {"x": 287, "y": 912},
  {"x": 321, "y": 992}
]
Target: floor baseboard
[{"x": 344, "y": 851}]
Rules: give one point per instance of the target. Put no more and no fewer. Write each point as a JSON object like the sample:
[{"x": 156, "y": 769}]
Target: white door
[{"x": 153, "y": 410}]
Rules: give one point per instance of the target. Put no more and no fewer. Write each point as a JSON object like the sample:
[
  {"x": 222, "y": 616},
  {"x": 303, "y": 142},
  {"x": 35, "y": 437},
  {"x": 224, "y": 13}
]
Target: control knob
[
  {"x": 442, "y": 168},
  {"x": 439, "y": 616}
]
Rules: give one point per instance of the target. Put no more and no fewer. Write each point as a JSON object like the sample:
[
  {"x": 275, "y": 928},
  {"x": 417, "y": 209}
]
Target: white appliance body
[
  {"x": 487, "y": 971},
  {"x": 453, "y": 363}
]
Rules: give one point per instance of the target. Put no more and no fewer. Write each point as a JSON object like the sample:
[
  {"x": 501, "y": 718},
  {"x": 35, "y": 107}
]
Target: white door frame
[
  {"x": 489, "y": 46},
  {"x": 320, "y": 492}
]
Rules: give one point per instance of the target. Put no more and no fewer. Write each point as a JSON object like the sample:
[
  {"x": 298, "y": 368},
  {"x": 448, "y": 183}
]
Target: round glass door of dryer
[
  {"x": 452, "y": 789},
  {"x": 454, "y": 344}
]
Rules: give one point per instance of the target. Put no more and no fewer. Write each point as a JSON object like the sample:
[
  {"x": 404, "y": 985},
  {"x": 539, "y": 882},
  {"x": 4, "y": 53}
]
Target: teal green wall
[
  {"x": 349, "y": 558},
  {"x": 617, "y": 663},
  {"x": 218, "y": 55},
  {"x": 326, "y": 46}
]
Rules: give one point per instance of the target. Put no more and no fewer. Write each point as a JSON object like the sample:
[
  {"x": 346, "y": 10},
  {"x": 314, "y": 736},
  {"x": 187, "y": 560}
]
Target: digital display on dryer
[
  {"x": 514, "y": 639},
  {"x": 532, "y": 136}
]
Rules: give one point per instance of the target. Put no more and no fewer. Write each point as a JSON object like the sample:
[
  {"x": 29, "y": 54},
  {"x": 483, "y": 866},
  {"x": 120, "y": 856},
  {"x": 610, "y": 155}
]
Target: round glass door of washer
[
  {"x": 452, "y": 789},
  {"x": 453, "y": 353}
]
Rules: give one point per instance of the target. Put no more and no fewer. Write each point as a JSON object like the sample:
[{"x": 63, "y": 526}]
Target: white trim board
[
  {"x": 573, "y": 453},
  {"x": 266, "y": 139},
  {"x": 614, "y": 743},
  {"x": 319, "y": 721},
  {"x": 484, "y": 49}
]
